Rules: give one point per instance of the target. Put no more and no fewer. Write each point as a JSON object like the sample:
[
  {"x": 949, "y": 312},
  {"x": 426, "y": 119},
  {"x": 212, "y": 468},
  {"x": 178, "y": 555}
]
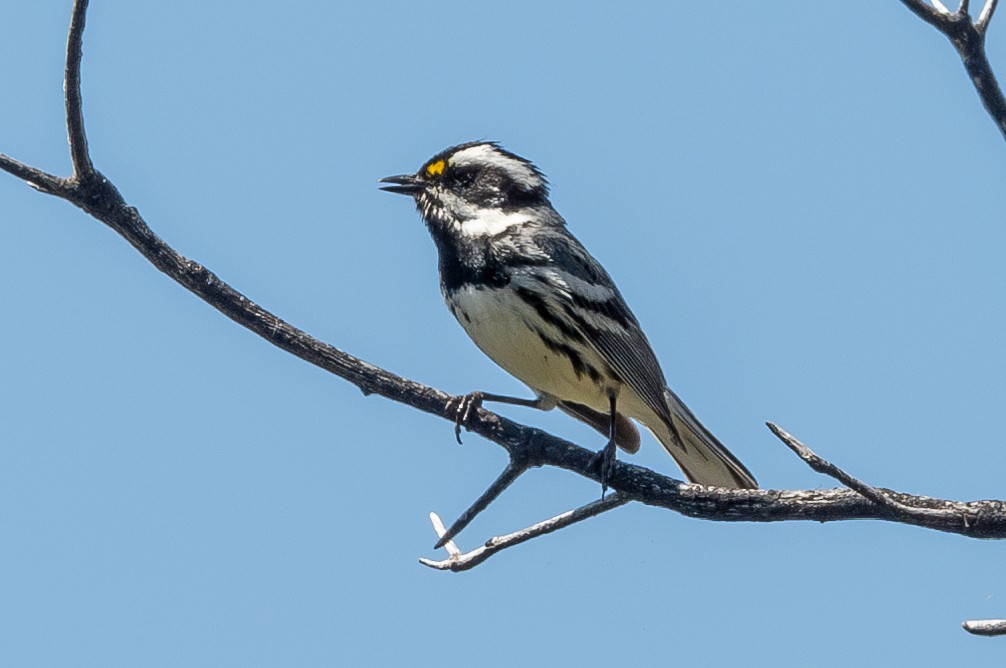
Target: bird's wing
[
  {"x": 586, "y": 297},
  {"x": 577, "y": 295}
]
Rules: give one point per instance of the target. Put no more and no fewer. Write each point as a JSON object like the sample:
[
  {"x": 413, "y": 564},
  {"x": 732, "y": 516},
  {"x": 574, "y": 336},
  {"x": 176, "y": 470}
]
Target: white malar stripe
[
  {"x": 488, "y": 155},
  {"x": 490, "y": 222}
]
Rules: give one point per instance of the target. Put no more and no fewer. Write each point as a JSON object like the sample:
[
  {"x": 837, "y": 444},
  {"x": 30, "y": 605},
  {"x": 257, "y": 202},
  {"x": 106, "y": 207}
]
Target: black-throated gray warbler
[{"x": 539, "y": 305}]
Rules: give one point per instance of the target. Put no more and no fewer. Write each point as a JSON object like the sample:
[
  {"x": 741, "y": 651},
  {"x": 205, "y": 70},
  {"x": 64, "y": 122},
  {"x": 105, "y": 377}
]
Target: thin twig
[
  {"x": 827, "y": 468},
  {"x": 985, "y": 627},
  {"x": 463, "y": 562},
  {"x": 36, "y": 178},
  {"x": 982, "y": 24},
  {"x": 512, "y": 471},
  {"x": 449, "y": 545},
  {"x": 79, "y": 154},
  {"x": 927, "y": 12}
]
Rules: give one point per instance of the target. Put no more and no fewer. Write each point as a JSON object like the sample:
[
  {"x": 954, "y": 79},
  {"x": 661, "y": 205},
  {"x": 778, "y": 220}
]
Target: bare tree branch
[
  {"x": 505, "y": 479},
  {"x": 986, "y": 627},
  {"x": 526, "y": 447},
  {"x": 456, "y": 561},
  {"x": 931, "y": 14},
  {"x": 969, "y": 40},
  {"x": 867, "y": 491},
  {"x": 982, "y": 24},
  {"x": 79, "y": 155},
  {"x": 36, "y": 178}
]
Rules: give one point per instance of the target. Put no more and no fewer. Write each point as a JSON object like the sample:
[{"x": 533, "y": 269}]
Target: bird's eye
[{"x": 463, "y": 179}]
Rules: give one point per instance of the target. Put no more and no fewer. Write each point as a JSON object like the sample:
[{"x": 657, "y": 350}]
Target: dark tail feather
[{"x": 699, "y": 454}]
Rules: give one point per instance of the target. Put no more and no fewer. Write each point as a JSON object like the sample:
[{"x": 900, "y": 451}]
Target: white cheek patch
[{"x": 466, "y": 219}]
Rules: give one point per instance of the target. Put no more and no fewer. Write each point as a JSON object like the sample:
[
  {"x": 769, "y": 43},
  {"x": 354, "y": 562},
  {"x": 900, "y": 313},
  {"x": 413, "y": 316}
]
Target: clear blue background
[{"x": 803, "y": 203}]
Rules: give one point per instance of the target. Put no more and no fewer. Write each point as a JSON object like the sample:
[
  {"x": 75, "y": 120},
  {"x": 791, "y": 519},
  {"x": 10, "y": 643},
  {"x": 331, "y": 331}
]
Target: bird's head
[{"x": 465, "y": 186}]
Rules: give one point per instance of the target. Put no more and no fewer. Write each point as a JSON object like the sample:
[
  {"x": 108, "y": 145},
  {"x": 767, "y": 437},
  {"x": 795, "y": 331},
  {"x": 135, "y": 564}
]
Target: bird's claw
[
  {"x": 467, "y": 404},
  {"x": 605, "y": 461}
]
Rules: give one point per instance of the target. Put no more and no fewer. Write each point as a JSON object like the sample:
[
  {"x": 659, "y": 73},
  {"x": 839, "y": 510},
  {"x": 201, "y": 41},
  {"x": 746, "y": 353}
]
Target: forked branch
[
  {"x": 968, "y": 37},
  {"x": 456, "y": 561}
]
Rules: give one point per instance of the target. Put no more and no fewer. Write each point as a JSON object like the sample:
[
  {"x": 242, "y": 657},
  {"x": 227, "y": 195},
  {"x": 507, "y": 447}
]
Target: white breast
[{"x": 504, "y": 327}]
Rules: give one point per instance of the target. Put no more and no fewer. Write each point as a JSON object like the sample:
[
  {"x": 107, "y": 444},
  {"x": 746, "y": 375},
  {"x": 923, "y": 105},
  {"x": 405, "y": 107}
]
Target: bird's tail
[{"x": 702, "y": 458}]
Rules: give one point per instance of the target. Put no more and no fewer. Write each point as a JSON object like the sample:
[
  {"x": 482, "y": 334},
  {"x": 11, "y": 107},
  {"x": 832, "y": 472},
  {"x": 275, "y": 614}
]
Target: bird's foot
[
  {"x": 467, "y": 404},
  {"x": 604, "y": 460}
]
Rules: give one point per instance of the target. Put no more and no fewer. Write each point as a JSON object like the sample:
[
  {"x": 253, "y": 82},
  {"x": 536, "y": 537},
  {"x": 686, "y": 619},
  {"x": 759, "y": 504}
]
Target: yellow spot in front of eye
[{"x": 436, "y": 168}]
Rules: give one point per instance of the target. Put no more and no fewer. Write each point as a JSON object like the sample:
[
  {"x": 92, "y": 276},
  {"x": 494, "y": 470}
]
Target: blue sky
[{"x": 803, "y": 205}]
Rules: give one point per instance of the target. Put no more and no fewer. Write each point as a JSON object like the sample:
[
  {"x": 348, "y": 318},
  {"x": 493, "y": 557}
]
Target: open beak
[{"x": 406, "y": 184}]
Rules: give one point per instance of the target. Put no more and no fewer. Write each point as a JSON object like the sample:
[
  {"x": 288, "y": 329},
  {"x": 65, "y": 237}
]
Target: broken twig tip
[{"x": 438, "y": 526}]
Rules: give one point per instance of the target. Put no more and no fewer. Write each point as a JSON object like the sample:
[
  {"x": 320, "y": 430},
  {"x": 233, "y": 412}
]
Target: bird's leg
[
  {"x": 605, "y": 458},
  {"x": 468, "y": 403}
]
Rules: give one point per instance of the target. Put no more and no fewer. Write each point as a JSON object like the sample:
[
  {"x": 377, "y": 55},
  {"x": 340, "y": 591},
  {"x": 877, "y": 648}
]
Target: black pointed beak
[{"x": 405, "y": 184}]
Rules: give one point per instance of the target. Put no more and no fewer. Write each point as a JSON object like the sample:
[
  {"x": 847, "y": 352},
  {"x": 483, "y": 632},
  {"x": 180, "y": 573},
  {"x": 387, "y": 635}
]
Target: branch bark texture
[{"x": 986, "y": 627}]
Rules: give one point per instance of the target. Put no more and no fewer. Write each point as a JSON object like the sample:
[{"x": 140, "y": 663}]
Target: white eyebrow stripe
[{"x": 487, "y": 154}]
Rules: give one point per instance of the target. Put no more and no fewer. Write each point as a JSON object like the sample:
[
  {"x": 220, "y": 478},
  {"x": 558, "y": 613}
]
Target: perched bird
[{"x": 540, "y": 306}]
